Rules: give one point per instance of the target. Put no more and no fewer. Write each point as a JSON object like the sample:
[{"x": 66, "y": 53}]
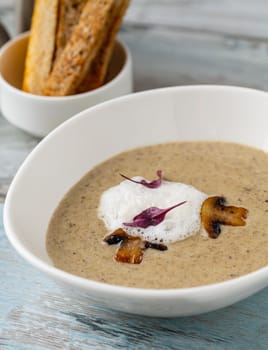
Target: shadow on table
[{"x": 243, "y": 325}]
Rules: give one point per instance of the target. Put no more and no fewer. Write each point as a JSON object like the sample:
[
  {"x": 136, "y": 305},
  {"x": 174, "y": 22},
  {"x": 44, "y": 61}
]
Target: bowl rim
[
  {"x": 111, "y": 289},
  {"x": 109, "y": 85}
]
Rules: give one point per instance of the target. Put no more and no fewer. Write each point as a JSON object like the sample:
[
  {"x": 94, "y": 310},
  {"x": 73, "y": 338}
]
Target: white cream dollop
[{"x": 121, "y": 203}]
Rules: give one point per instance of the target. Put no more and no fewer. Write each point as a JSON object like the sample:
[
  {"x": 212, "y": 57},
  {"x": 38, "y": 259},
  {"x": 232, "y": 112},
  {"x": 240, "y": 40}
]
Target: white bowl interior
[{"x": 191, "y": 113}]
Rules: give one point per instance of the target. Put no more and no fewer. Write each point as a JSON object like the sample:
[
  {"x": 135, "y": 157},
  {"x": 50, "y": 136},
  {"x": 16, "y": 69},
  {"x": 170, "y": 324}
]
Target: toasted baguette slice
[
  {"x": 68, "y": 17},
  {"x": 98, "y": 70},
  {"x": 40, "y": 52},
  {"x": 86, "y": 39}
]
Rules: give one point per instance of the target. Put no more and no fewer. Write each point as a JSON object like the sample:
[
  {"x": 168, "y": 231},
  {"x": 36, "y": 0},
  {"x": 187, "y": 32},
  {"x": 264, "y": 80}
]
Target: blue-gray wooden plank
[
  {"x": 243, "y": 18},
  {"x": 36, "y": 314},
  {"x": 15, "y": 145},
  {"x": 166, "y": 57}
]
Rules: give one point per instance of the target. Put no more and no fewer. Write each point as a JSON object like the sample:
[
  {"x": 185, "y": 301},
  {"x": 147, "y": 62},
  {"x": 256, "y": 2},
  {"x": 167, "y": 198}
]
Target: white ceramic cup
[
  {"x": 171, "y": 114},
  {"x": 38, "y": 115}
]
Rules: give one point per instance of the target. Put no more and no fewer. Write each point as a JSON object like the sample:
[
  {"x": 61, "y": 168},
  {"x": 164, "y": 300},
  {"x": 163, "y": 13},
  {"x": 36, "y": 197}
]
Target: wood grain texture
[
  {"x": 163, "y": 57},
  {"x": 15, "y": 145},
  {"x": 240, "y": 18},
  {"x": 36, "y": 314}
]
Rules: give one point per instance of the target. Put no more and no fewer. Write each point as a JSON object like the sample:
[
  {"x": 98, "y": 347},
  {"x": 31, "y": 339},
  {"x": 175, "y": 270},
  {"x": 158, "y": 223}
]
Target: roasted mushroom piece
[
  {"x": 215, "y": 213},
  {"x": 131, "y": 249}
]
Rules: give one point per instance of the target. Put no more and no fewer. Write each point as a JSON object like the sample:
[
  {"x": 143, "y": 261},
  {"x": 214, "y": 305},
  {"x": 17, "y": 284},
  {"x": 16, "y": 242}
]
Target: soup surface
[{"x": 239, "y": 173}]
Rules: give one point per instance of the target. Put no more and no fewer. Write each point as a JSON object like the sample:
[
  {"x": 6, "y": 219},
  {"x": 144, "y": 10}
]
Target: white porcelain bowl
[
  {"x": 64, "y": 156},
  {"x": 38, "y": 115}
]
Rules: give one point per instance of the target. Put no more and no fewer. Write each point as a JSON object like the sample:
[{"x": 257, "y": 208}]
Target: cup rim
[{"x": 109, "y": 85}]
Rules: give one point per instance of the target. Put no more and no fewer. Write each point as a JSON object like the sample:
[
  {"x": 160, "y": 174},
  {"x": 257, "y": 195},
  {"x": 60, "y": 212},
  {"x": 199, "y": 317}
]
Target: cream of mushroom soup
[{"x": 235, "y": 172}]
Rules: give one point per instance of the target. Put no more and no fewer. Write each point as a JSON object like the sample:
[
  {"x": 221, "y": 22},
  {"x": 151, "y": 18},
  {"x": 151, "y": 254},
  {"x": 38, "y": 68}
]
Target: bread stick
[
  {"x": 86, "y": 39},
  {"x": 40, "y": 52},
  {"x": 68, "y": 16},
  {"x": 97, "y": 71}
]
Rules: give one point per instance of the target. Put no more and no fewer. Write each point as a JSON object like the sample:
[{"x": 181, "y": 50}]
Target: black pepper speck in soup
[{"x": 240, "y": 173}]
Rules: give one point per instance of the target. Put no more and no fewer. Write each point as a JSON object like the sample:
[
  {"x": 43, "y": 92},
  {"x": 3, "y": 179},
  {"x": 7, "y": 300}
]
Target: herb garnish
[
  {"x": 153, "y": 184},
  {"x": 151, "y": 216}
]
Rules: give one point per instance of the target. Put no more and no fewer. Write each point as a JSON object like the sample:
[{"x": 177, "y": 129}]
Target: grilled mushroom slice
[
  {"x": 131, "y": 249},
  {"x": 215, "y": 213}
]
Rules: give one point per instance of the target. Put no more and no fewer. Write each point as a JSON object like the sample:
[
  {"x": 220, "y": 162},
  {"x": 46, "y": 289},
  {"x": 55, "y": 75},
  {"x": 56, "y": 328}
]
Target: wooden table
[{"x": 173, "y": 42}]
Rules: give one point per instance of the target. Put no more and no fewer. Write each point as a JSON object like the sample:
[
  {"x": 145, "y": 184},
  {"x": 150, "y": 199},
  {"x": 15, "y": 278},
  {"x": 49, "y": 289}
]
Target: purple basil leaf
[
  {"x": 153, "y": 184},
  {"x": 151, "y": 216}
]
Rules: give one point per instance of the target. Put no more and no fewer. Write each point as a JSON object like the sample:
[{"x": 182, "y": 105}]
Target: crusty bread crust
[
  {"x": 70, "y": 45},
  {"x": 86, "y": 39},
  {"x": 40, "y": 52},
  {"x": 97, "y": 71},
  {"x": 68, "y": 17}
]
